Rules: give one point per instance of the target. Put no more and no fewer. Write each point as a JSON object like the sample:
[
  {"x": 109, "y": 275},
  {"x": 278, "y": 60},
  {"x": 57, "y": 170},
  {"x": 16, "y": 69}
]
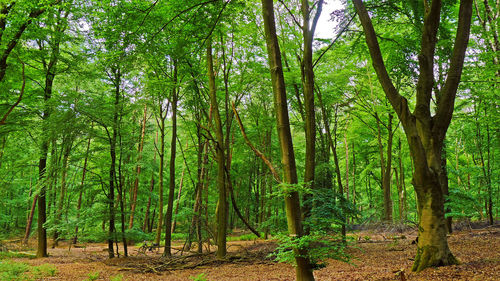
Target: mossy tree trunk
[
  {"x": 303, "y": 269},
  {"x": 221, "y": 211},
  {"x": 425, "y": 133}
]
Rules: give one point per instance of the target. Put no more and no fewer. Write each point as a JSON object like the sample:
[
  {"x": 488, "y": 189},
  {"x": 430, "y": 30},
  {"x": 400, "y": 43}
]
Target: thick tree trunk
[
  {"x": 425, "y": 133},
  {"x": 432, "y": 247},
  {"x": 303, "y": 269}
]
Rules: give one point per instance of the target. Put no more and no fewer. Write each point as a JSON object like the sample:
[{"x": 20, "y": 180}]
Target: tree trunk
[
  {"x": 292, "y": 200},
  {"x": 67, "y": 143},
  {"x": 432, "y": 245},
  {"x": 176, "y": 210},
  {"x": 219, "y": 147},
  {"x": 161, "y": 124},
  {"x": 332, "y": 143},
  {"x": 171, "y": 186},
  {"x": 346, "y": 144},
  {"x": 30, "y": 221},
  {"x": 425, "y": 133},
  {"x": 133, "y": 199},
  {"x": 112, "y": 168},
  {"x": 145, "y": 226},
  {"x": 310, "y": 114},
  {"x": 79, "y": 204}
]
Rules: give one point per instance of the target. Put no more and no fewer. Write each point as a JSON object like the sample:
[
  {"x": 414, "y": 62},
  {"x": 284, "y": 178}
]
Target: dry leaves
[{"x": 378, "y": 257}]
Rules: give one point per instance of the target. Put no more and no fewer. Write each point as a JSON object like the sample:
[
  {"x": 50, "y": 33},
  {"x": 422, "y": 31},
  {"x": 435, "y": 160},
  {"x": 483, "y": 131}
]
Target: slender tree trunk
[
  {"x": 386, "y": 182},
  {"x": 68, "y": 143},
  {"x": 221, "y": 178},
  {"x": 176, "y": 210},
  {"x": 112, "y": 168},
  {"x": 133, "y": 200},
  {"x": 292, "y": 199},
  {"x": 346, "y": 144},
  {"x": 29, "y": 221},
  {"x": 332, "y": 143},
  {"x": 161, "y": 125},
  {"x": 308, "y": 28},
  {"x": 171, "y": 189},
  {"x": 145, "y": 226},
  {"x": 80, "y": 194}
]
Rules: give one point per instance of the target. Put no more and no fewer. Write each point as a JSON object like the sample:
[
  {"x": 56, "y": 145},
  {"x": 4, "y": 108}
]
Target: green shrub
[
  {"x": 13, "y": 271},
  {"x": 199, "y": 277},
  {"x": 43, "y": 270},
  {"x": 118, "y": 277},
  {"x": 93, "y": 276},
  {"x": 319, "y": 246}
]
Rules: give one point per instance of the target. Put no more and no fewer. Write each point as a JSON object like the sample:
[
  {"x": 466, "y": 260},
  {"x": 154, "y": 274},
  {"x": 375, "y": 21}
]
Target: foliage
[
  {"x": 93, "y": 276},
  {"x": 13, "y": 271},
  {"x": 320, "y": 245},
  {"x": 118, "y": 277},
  {"x": 462, "y": 204},
  {"x": 199, "y": 277}
]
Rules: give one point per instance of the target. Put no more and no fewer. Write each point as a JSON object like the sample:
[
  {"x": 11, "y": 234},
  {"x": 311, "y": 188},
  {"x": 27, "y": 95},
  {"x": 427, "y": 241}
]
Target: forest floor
[{"x": 375, "y": 256}]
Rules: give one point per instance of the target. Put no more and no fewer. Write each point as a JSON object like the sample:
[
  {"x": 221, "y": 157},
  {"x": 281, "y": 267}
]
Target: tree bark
[
  {"x": 29, "y": 222},
  {"x": 80, "y": 194},
  {"x": 219, "y": 148},
  {"x": 425, "y": 133},
  {"x": 171, "y": 185},
  {"x": 161, "y": 152},
  {"x": 67, "y": 143},
  {"x": 303, "y": 269},
  {"x": 308, "y": 29},
  {"x": 145, "y": 226},
  {"x": 133, "y": 200}
]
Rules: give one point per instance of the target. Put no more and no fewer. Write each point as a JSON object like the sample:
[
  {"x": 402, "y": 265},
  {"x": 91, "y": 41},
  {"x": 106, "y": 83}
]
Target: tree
[
  {"x": 425, "y": 132},
  {"x": 303, "y": 269}
]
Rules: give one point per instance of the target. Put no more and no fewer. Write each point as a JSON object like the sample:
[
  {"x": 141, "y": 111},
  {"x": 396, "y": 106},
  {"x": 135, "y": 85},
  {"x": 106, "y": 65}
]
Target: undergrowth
[{"x": 18, "y": 271}]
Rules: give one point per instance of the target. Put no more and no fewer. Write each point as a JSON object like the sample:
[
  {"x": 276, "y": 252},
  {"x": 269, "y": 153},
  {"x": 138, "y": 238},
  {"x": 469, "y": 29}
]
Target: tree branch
[
  {"x": 255, "y": 150},
  {"x": 398, "y": 102},
  {"x": 2, "y": 122},
  {"x": 446, "y": 105}
]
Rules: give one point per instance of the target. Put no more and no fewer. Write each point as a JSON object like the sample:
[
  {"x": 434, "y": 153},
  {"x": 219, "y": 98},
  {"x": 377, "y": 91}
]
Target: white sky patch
[{"x": 325, "y": 28}]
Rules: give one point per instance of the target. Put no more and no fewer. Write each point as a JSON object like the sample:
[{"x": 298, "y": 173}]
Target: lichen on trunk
[{"x": 432, "y": 248}]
